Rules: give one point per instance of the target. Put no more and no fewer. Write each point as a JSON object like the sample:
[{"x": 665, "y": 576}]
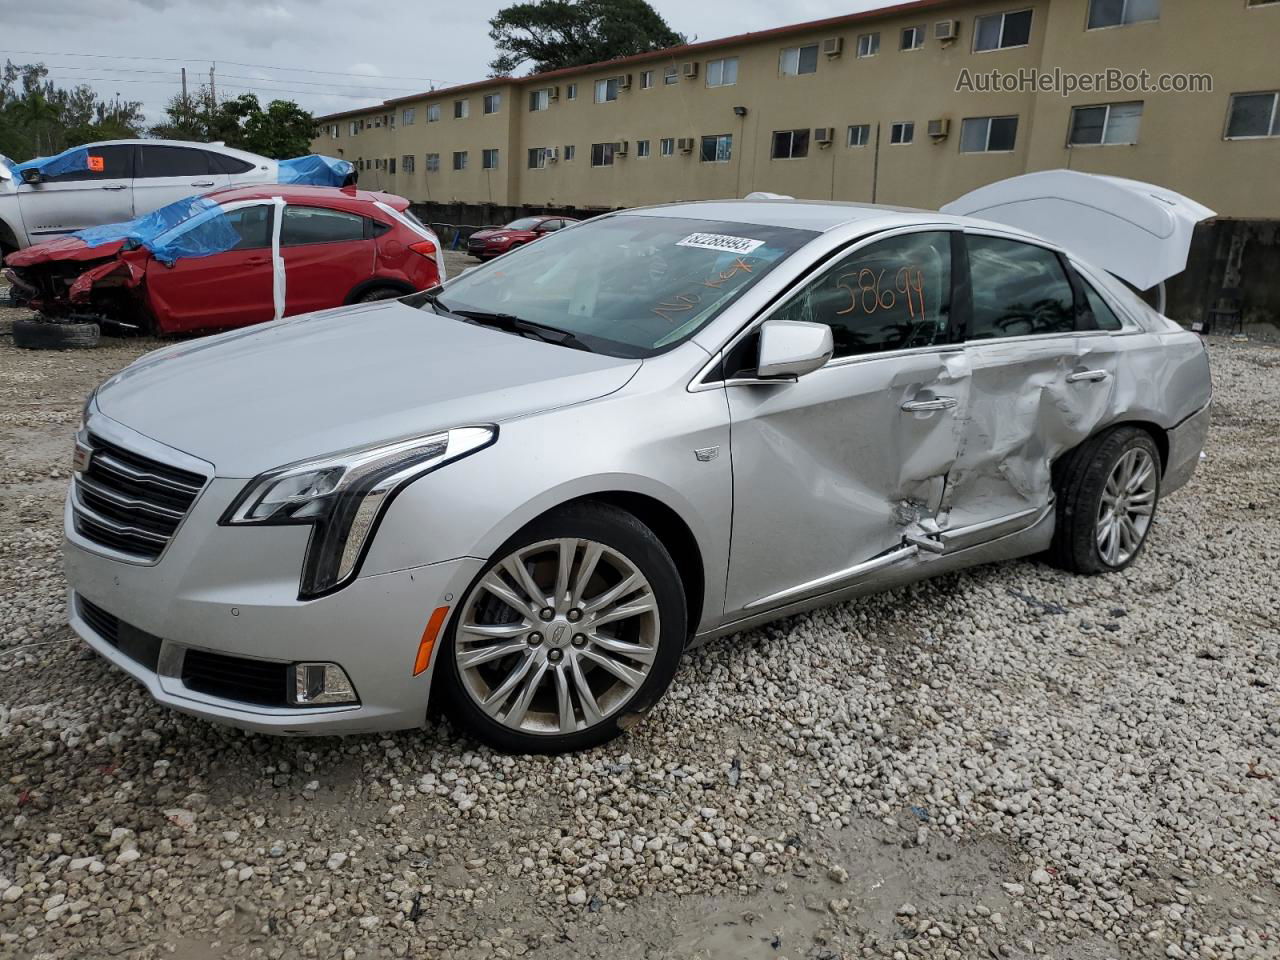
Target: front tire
[
  {"x": 1108, "y": 489},
  {"x": 570, "y": 633}
]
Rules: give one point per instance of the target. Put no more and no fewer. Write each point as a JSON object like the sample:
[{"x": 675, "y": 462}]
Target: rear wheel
[
  {"x": 380, "y": 293},
  {"x": 1107, "y": 489},
  {"x": 571, "y": 632}
]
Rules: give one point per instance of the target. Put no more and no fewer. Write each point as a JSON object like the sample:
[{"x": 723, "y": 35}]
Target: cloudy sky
[{"x": 328, "y": 55}]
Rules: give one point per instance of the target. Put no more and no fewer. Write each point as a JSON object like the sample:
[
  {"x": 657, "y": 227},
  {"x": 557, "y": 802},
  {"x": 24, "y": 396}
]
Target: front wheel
[
  {"x": 571, "y": 632},
  {"x": 1107, "y": 490}
]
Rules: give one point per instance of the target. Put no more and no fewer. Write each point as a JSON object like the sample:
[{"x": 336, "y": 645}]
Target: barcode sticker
[{"x": 721, "y": 242}]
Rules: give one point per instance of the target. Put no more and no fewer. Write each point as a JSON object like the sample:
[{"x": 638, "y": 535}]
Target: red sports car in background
[
  {"x": 493, "y": 241},
  {"x": 233, "y": 257}
]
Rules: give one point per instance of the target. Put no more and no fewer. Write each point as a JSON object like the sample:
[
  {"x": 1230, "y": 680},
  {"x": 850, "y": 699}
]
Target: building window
[
  {"x": 461, "y": 109},
  {"x": 1254, "y": 115},
  {"x": 1117, "y": 13},
  {"x": 539, "y": 100},
  {"x": 790, "y": 144},
  {"x": 667, "y": 146},
  {"x": 355, "y": 129},
  {"x": 433, "y": 113},
  {"x": 912, "y": 38},
  {"x": 988, "y": 134},
  {"x": 724, "y": 73},
  {"x": 571, "y": 92},
  {"x": 570, "y": 150},
  {"x": 646, "y": 79},
  {"x": 489, "y": 158},
  {"x": 406, "y": 163},
  {"x": 602, "y": 154},
  {"x": 1105, "y": 125},
  {"x": 460, "y": 160},
  {"x": 408, "y": 116},
  {"x": 537, "y": 158},
  {"x": 607, "y": 90},
  {"x": 433, "y": 163},
  {"x": 717, "y": 148},
  {"x": 391, "y": 165},
  {"x": 492, "y": 102},
  {"x": 794, "y": 61},
  {"x": 1000, "y": 31},
  {"x": 902, "y": 133},
  {"x": 859, "y": 134},
  {"x": 642, "y": 148},
  {"x": 1261, "y": 3},
  {"x": 670, "y": 75},
  {"x": 868, "y": 45}
]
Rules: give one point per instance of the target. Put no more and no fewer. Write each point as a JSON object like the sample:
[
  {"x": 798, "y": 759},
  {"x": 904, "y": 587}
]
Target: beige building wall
[{"x": 1181, "y": 142}]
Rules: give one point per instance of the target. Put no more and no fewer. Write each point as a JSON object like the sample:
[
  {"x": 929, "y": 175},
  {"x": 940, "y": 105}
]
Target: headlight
[
  {"x": 88, "y": 407},
  {"x": 344, "y": 496}
]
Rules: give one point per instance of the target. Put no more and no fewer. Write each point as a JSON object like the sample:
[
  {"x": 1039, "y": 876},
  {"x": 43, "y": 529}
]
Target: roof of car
[
  {"x": 217, "y": 146},
  {"x": 330, "y": 196},
  {"x": 819, "y": 215}
]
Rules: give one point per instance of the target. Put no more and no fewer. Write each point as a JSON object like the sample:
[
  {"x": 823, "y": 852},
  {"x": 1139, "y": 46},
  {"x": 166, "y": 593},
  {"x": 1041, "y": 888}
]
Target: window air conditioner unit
[
  {"x": 553, "y": 93},
  {"x": 552, "y": 154},
  {"x": 833, "y": 46},
  {"x": 620, "y": 148},
  {"x": 822, "y": 135},
  {"x": 690, "y": 69},
  {"x": 685, "y": 144},
  {"x": 946, "y": 30},
  {"x": 939, "y": 129},
  {"x": 624, "y": 82}
]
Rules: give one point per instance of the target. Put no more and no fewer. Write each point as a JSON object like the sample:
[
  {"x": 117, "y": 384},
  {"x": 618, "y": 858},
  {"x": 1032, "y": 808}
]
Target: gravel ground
[{"x": 1008, "y": 762}]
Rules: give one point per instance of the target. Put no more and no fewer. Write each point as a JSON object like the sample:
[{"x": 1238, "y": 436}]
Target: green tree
[
  {"x": 282, "y": 130},
  {"x": 552, "y": 34},
  {"x": 39, "y": 118}
]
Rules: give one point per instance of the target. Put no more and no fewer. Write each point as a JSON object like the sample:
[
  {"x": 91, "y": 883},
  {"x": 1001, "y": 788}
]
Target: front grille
[
  {"x": 131, "y": 503},
  {"x": 236, "y": 678},
  {"x": 138, "y": 645}
]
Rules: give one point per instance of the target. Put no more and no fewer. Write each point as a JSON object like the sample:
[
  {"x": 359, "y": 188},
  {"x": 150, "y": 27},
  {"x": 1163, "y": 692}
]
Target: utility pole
[
  {"x": 184, "y": 87},
  {"x": 213, "y": 88}
]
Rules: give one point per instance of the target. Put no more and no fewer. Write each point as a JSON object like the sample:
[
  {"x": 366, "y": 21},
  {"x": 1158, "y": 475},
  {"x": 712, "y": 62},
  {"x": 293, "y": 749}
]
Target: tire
[
  {"x": 380, "y": 293},
  {"x": 1086, "y": 481},
  {"x": 553, "y": 714},
  {"x": 52, "y": 335}
]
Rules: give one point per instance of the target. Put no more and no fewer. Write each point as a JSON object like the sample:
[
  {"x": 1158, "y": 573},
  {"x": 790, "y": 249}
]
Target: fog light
[{"x": 321, "y": 685}]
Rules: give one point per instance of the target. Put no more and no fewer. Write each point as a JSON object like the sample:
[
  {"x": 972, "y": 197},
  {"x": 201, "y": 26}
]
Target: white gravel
[{"x": 1007, "y": 762}]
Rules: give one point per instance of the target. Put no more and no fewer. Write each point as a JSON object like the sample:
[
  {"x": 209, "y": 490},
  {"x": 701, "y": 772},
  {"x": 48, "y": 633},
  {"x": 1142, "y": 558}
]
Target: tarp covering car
[
  {"x": 68, "y": 161},
  {"x": 317, "y": 170},
  {"x": 208, "y": 231}
]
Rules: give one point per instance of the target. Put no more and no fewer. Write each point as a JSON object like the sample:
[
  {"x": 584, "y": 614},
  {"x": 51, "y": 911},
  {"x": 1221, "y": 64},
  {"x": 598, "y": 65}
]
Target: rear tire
[
  {"x": 1107, "y": 489},
  {"x": 380, "y": 293},
  {"x": 53, "y": 335},
  {"x": 569, "y": 683}
]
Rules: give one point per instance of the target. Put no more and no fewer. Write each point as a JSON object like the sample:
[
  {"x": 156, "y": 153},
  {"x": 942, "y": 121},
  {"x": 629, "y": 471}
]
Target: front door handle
[
  {"x": 115, "y": 186},
  {"x": 1087, "y": 376},
  {"x": 927, "y": 406},
  {"x": 202, "y": 183}
]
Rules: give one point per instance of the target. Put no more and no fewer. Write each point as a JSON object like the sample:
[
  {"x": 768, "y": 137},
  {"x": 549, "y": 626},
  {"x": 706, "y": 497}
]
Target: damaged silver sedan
[{"x": 539, "y": 482}]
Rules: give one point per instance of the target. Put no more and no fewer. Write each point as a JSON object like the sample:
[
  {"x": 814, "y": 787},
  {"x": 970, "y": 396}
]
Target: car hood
[
  {"x": 254, "y": 399},
  {"x": 63, "y": 250}
]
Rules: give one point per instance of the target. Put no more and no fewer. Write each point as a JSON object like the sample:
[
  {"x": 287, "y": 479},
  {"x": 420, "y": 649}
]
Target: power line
[
  {"x": 264, "y": 87},
  {"x": 235, "y": 63},
  {"x": 236, "y": 76}
]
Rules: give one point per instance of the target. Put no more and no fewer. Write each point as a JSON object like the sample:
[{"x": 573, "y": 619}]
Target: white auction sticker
[{"x": 720, "y": 241}]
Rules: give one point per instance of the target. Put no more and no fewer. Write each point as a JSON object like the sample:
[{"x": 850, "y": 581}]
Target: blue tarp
[
  {"x": 316, "y": 170},
  {"x": 205, "y": 231},
  {"x": 68, "y": 161}
]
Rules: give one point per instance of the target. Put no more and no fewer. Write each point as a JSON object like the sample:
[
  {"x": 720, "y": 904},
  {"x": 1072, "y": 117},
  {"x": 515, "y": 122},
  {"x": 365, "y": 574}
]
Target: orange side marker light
[{"x": 429, "y": 639}]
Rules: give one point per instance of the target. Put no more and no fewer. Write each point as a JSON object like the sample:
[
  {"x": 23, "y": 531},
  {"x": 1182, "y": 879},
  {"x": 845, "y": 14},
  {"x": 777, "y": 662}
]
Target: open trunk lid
[{"x": 1138, "y": 231}]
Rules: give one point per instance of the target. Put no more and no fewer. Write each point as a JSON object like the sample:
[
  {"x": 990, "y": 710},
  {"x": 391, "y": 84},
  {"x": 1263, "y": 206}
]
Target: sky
[{"x": 328, "y": 55}]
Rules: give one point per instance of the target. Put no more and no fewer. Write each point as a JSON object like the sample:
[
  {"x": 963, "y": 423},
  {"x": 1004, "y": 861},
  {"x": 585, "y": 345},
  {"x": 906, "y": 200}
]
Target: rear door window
[
  {"x": 105, "y": 163},
  {"x": 891, "y": 295},
  {"x": 1018, "y": 290},
  {"x": 303, "y": 225},
  {"x": 167, "y": 161},
  {"x": 1104, "y": 317},
  {"x": 221, "y": 163}
]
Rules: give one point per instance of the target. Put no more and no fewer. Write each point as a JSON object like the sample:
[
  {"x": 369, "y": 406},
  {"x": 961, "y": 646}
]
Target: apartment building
[{"x": 894, "y": 105}]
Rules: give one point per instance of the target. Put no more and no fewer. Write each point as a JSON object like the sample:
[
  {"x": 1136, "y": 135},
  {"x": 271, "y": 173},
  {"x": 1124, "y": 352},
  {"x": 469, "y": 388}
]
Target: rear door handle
[
  {"x": 926, "y": 406},
  {"x": 115, "y": 186},
  {"x": 1087, "y": 376},
  {"x": 202, "y": 183}
]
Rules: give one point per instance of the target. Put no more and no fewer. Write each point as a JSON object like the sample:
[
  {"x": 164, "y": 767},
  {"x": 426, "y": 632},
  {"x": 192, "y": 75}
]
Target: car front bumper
[{"x": 232, "y": 593}]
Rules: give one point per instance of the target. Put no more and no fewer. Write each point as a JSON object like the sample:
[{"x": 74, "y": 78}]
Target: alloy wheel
[
  {"x": 557, "y": 636},
  {"x": 1128, "y": 502}
]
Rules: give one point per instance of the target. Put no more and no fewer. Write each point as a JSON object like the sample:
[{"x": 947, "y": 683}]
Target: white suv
[{"x": 127, "y": 179}]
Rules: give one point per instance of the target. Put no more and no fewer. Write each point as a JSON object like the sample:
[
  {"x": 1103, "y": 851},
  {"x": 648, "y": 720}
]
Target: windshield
[
  {"x": 627, "y": 285},
  {"x": 524, "y": 223}
]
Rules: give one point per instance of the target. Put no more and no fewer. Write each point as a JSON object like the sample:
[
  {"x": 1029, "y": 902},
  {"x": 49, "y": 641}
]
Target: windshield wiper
[{"x": 513, "y": 324}]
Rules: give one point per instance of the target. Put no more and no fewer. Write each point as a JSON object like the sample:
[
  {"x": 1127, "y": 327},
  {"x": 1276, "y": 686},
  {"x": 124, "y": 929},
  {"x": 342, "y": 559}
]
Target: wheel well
[
  {"x": 670, "y": 528},
  {"x": 378, "y": 283},
  {"x": 1157, "y": 433},
  {"x": 8, "y": 240}
]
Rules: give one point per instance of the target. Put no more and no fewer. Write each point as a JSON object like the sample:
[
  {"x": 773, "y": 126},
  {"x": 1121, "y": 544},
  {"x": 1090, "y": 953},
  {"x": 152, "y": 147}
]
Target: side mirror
[
  {"x": 792, "y": 348},
  {"x": 32, "y": 176}
]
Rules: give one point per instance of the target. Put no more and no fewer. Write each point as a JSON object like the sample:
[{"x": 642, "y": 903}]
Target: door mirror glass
[
  {"x": 792, "y": 348},
  {"x": 31, "y": 175}
]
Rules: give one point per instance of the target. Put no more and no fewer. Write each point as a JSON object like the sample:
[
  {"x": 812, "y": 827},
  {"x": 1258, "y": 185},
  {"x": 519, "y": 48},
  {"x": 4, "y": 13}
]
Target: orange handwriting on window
[
  {"x": 680, "y": 303},
  {"x": 868, "y": 293},
  {"x": 96, "y": 164}
]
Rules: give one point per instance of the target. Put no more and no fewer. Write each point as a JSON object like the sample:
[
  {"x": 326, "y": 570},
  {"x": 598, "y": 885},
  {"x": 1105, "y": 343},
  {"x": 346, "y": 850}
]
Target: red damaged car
[
  {"x": 230, "y": 258},
  {"x": 492, "y": 241}
]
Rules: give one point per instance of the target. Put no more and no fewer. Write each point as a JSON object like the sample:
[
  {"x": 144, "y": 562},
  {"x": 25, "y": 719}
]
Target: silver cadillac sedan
[{"x": 529, "y": 490}]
